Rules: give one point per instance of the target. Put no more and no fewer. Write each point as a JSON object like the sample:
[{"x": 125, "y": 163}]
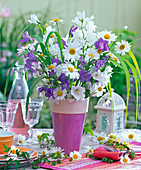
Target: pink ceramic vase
[{"x": 68, "y": 121}]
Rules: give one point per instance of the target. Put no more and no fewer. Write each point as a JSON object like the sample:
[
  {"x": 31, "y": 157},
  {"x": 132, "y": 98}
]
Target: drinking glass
[
  {"x": 7, "y": 114},
  {"x": 31, "y": 117}
]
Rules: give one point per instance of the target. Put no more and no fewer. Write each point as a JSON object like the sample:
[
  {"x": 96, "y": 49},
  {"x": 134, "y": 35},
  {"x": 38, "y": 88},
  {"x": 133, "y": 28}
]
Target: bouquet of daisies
[{"x": 76, "y": 66}]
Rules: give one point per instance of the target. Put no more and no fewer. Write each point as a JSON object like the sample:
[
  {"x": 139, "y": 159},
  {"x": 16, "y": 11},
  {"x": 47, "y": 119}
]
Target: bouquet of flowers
[{"x": 76, "y": 66}]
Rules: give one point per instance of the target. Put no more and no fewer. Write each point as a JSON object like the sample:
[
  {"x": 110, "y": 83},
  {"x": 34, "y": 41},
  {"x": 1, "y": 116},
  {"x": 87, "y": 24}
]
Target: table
[{"x": 87, "y": 140}]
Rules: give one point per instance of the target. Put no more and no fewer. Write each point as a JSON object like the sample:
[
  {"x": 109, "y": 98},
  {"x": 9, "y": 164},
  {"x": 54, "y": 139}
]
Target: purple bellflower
[{"x": 26, "y": 37}]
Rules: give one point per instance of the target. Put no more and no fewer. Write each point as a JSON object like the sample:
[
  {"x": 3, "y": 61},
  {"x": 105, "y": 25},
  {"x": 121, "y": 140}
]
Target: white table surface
[{"x": 88, "y": 140}]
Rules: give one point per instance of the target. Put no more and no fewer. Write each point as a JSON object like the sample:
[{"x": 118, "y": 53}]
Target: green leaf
[
  {"x": 38, "y": 38},
  {"x": 127, "y": 84},
  {"x": 136, "y": 84},
  {"x": 114, "y": 62},
  {"x": 71, "y": 159},
  {"x": 135, "y": 62}
]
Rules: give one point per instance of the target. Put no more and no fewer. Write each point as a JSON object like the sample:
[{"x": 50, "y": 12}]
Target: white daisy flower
[
  {"x": 59, "y": 94},
  {"x": 70, "y": 71},
  {"x": 13, "y": 151},
  {"x": 122, "y": 48},
  {"x": 33, "y": 19},
  {"x": 78, "y": 92},
  {"x": 72, "y": 52},
  {"x": 58, "y": 151},
  {"x": 47, "y": 82},
  {"x": 93, "y": 70},
  {"x": 75, "y": 155},
  {"x": 112, "y": 56},
  {"x": 57, "y": 20},
  {"x": 97, "y": 89},
  {"x": 90, "y": 38},
  {"x": 88, "y": 149},
  {"x": 37, "y": 134},
  {"x": 124, "y": 159},
  {"x": 107, "y": 35},
  {"x": 21, "y": 140},
  {"x": 48, "y": 30},
  {"x": 50, "y": 67},
  {"x": 92, "y": 54}
]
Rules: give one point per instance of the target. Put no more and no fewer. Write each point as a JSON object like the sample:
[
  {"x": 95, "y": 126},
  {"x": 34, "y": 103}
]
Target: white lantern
[{"x": 110, "y": 119}]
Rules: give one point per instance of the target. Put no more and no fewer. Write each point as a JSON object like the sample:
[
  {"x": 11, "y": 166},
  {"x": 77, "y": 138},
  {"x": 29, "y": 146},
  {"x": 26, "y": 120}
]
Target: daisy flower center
[
  {"x": 56, "y": 20},
  {"x": 41, "y": 55},
  {"x": 75, "y": 156},
  {"x": 100, "y": 138},
  {"x": 99, "y": 88},
  {"x": 13, "y": 151},
  {"x": 125, "y": 160},
  {"x": 58, "y": 153},
  {"x": 122, "y": 47},
  {"x": 44, "y": 152},
  {"x": 51, "y": 67},
  {"x": 130, "y": 136},
  {"x": 91, "y": 55},
  {"x": 59, "y": 93},
  {"x": 52, "y": 35},
  {"x": 20, "y": 141},
  {"x": 99, "y": 51},
  {"x": 26, "y": 45},
  {"x": 72, "y": 51},
  {"x": 70, "y": 69},
  {"x": 110, "y": 55},
  {"x": 38, "y": 136},
  {"x": 107, "y": 36},
  {"x": 115, "y": 58},
  {"x": 111, "y": 136},
  {"x": 90, "y": 150}
]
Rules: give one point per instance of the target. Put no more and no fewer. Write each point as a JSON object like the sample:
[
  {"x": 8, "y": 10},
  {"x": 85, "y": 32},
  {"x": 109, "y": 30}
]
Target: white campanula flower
[
  {"x": 36, "y": 74},
  {"x": 72, "y": 51},
  {"x": 21, "y": 140},
  {"x": 124, "y": 159},
  {"x": 125, "y": 27},
  {"x": 60, "y": 69},
  {"x": 97, "y": 89},
  {"x": 34, "y": 19},
  {"x": 79, "y": 17},
  {"x": 78, "y": 37},
  {"x": 122, "y": 47},
  {"x": 91, "y": 27},
  {"x": 90, "y": 38},
  {"x": 70, "y": 71},
  {"x": 75, "y": 155},
  {"x": 56, "y": 20},
  {"x": 54, "y": 50},
  {"x": 78, "y": 92},
  {"x": 59, "y": 93},
  {"x": 107, "y": 35},
  {"x": 92, "y": 54}
]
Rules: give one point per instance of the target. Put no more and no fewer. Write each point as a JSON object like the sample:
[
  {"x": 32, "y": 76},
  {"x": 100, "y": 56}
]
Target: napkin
[{"x": 105, "y": 151}]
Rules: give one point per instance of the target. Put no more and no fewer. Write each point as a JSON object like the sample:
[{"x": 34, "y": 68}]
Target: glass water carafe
[{"x": 19, "y": 91}]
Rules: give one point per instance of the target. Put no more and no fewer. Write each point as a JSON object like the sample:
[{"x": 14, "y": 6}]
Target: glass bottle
[{"x": 19, "y": 91}]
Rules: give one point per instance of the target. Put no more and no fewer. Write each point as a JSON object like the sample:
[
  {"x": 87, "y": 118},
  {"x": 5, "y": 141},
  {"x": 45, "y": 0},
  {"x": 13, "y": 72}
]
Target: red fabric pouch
[{"x": 103, "y": 151}]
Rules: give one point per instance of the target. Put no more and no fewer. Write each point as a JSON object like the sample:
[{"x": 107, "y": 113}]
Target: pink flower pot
[{"x": 68, "y": 121}]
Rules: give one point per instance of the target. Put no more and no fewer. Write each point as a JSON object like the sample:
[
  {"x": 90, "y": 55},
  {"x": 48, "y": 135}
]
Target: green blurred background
[{"x": 109, "y": 14}]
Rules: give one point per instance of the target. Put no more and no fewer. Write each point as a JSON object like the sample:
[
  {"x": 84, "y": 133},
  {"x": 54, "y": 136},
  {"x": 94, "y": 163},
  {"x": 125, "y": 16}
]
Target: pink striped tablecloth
[{"x": 91, "y": 164}]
